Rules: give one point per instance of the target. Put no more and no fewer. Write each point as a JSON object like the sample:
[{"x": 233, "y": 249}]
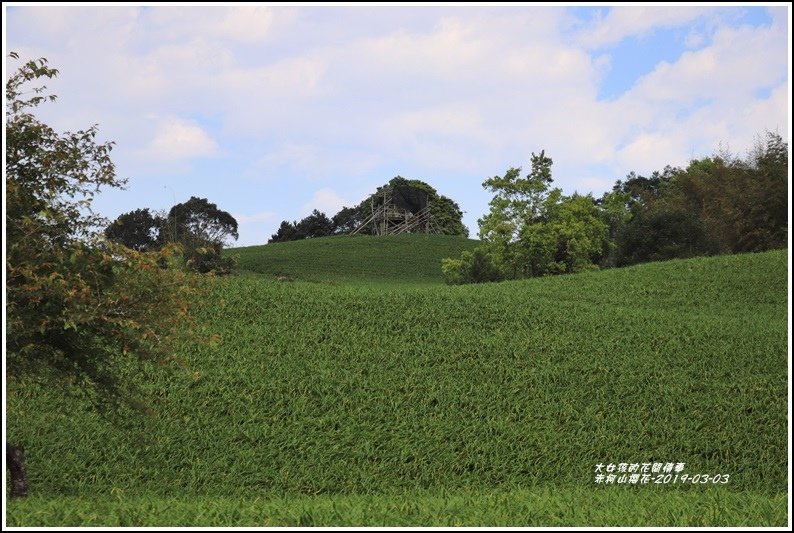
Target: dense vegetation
[
  {"x": 722, "y": 204},
  {"x": 197, "y": 226},
  {"x": 386, "y": 391}
]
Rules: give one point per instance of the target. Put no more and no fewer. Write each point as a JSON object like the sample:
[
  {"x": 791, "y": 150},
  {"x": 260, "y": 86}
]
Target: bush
[{"x": 477, "y": 266}]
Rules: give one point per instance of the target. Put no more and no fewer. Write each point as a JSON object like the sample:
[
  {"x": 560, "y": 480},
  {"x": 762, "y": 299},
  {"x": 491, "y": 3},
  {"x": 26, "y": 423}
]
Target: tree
[
  {"x": 661, "y": 234},
  {"x": 287, "y": 231},
  {"x": 202, "y": 229},
  {"x": 199, "y": 221},
  {"x": 475, "y": 266},
  {"x": 317, "y": 224},
  {"x": 517, "y": 202},
  {"x": 743, "y": 204},
  {"x": 79, "y": 307},
  {"x": 139, "y": 230},
  {"x": 346, "y": 220},
  {"x": 531, "y": 230},
  {"x": 614, "y": 209},
  {"x": 569, "y": 237},
  {"x": 447, "y": 216}
]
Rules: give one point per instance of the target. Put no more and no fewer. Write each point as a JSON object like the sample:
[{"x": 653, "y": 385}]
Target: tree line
[{"x": 716, "y": 205}]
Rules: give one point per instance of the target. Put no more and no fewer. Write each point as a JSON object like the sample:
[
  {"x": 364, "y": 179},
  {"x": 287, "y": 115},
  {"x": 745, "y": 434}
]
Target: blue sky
[{"x": 271, "y": 111}]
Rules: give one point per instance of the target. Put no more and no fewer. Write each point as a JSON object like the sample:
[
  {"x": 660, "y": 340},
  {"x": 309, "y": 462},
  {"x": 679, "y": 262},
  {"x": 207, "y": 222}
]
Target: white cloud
[
  {"x": 247, "y": 24},
  {"x": 694, "y": 39},
  {"x": 313, "y": 163},
  {"x": 652, "y": 151},
  {"x": 181, "y": 139},
  {"x": 237, "y": 24},
  {"x": 254, "y": 229},
  {"x": 264, "y": 216},
  {"x": 342, "y": 99},
  {"x": 327, "y": 201},
  {"x": 623, "y": 22}
]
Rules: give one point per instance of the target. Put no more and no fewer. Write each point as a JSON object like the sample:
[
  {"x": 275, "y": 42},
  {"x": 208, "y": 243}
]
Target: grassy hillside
[
  {"x": 344, "y": 400},
  {"x": 364, "y": 258}
]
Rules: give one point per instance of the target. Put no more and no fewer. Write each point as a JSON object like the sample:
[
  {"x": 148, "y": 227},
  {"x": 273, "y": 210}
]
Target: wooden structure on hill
[{"x": 398, "y": 210}]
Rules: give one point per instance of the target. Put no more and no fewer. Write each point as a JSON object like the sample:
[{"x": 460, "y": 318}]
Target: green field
[
  {"x": 358, "y": 259},
  {"x": 336, "y": 400}
]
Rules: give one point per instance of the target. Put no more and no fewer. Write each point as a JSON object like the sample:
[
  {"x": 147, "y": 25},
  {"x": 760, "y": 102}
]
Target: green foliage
[
  {"x": 661, "y": 235},
  {"x": 614, "y": 209},
  {"x": 533, "y": 231},
  {"x": 346, "y": 220},
  {"x": 138, "y": 230},
  {"x": 718, "y": 204},
  {"x": 286, "y": 232},
  {"x": 447, "y": 216},
  {"x": 199, "y": 221},
  {"x": 197, "y": 226},
  {"x": 208, "y": 258},
  {"x": 202, "y": 229},
  {"x": 475, "y": 266},
  {"x": 317, "y": 224},
  {"x": 516, "y": 201},
  {"x": 743, "y": 203},
  {"x": 79, "y": 308},
  {"x": 568, "y": 238}
]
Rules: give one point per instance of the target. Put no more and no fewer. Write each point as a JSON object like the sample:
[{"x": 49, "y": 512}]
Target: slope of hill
[
  {"x": 355, "y": 398},
  {"x": 363, "y": 258}
]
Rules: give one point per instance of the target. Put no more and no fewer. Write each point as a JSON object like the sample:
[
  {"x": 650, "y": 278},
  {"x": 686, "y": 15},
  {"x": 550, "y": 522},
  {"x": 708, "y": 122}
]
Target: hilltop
[{"x": 409, "y": 258}]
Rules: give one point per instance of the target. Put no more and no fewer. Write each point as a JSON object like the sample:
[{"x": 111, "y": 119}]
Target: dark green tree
[
  {"x": 202, "y": 230},
  {"x": 447, "y": 215},
  {"x": 139, "y": 230},
  {"x": 287, "y": 231},
  {"x": 661, "y": 234},
  {"x": 317, "y": 224},
  {"x": 743, "y": 203},
  {"x": 198, "y": 220},
  {"x": 347, "y": 220},
  {"x": 614, "y": 210}
]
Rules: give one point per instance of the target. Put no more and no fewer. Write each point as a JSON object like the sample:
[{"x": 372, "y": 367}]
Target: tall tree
[
  {"x": 202, "y": 229},
  {"x": 517, "y": 202},
  {"x": 531, "y": 230},
  {"x": 139, "y": 230},
  {"x": 317, "y": 224},
  {"x": 78, "y": 307},
  {"x": 199, "y": 221}
]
